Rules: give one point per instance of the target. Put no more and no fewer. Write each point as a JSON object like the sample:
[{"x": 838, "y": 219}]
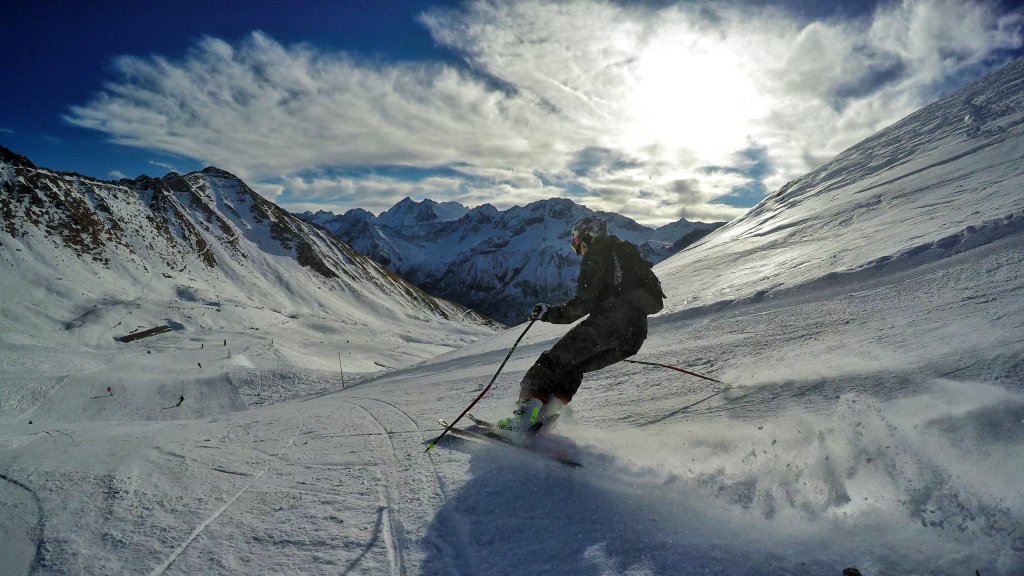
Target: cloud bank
[{"x": 664, "y": 112}]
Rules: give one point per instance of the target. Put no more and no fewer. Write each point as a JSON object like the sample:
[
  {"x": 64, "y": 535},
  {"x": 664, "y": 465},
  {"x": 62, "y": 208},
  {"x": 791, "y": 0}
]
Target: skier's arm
[{"x": 588, "y": 290}]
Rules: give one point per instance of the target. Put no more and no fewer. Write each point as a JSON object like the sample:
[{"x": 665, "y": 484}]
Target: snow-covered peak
[
  {"x": 484, "y": 211},
  {"x": 673, "y": 231},
  {"x": 14, "y": 160},
  {"x": 357, "y": 213},
  {"x": 408, "y": 212}
]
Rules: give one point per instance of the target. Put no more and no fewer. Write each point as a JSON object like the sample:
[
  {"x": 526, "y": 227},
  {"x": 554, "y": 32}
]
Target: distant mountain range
[{"x": 500, "y": 263}]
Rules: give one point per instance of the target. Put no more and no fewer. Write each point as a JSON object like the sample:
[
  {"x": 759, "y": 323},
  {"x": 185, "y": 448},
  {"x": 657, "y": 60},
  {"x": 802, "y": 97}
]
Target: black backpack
[{"x": 633, "y": 279}]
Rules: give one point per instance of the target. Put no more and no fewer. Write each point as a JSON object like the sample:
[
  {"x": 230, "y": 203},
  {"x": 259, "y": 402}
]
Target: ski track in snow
[
  {"x": 394, "y": 533},
  {"x": 16, "y": 535},
  {"x": 161, "y": 568},
  {"x": 405, "y": 464},
  {"x": 442, "y": 491}
]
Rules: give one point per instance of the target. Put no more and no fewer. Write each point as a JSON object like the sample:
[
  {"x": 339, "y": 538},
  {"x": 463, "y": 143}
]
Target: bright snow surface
[{"x": 869, "y": 316}]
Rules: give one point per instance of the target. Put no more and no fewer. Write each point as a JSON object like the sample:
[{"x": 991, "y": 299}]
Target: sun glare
[{"x": 692, "y": 95}]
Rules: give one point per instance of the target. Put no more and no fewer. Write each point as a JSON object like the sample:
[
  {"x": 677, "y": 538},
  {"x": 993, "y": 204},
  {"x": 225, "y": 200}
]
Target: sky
[{"x": 656, "y": 110}]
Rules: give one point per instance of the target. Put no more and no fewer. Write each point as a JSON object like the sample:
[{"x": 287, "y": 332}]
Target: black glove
[{"x": 539, "y": 311}]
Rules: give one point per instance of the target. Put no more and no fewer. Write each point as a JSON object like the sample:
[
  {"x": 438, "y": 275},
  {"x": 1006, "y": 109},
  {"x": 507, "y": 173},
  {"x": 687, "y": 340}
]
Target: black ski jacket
[{"x": 603, "y": 286}]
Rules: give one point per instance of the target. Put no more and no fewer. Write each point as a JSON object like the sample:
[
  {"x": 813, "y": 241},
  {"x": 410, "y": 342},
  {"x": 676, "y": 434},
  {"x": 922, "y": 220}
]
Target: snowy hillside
[
  {"x": 498, "y": 262},
  {"x": 89, "y": 261},
  {"x": 869, "y": 316},
  {"x": 941, "y": 182}
]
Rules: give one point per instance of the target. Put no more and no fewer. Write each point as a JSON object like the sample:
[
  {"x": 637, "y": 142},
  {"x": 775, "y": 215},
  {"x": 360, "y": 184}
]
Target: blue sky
[{"x": 656, "y": 110}]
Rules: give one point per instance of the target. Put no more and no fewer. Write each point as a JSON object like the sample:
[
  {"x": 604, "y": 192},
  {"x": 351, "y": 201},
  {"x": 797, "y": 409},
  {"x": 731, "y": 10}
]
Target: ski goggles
[{"x": 577, "y": 244}]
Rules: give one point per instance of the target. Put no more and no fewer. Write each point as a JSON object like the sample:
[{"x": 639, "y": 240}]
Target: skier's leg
[
  {"x": 595, "y": 343},
  {"x": 554, "y": 378},
  {"x": 547, "y": 377},
  {"x": 538, "y": 402}
]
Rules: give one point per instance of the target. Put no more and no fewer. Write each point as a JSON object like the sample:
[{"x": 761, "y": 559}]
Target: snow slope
[
  {"x": 87, "y": 262},
  {"x": 869, "y": 316}
]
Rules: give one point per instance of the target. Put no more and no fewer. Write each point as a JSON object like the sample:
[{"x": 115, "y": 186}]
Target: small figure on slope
[{"x": 618, "y": 290}]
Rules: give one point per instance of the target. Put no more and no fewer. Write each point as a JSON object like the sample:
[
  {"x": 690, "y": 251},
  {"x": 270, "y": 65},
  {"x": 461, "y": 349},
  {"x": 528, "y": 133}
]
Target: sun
[{"x": 692, "y": 93}]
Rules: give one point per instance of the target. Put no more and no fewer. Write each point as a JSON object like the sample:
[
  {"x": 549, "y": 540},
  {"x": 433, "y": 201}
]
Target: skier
[
  {"x": 618, "y": 290},
  {"x": 110, "y": 391},
  {"x": 180, "y": 400}
]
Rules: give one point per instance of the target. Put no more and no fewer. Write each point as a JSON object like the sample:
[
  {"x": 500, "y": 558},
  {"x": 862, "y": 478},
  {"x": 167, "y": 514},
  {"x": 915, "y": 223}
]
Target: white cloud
[
  {"x": 624, "y": 102},
  {"x": 269, "y": 191},
  {"x": 165, "y": 166},
  {"x": 835, "y": 83},
  {"x": 262, "y": 109}
]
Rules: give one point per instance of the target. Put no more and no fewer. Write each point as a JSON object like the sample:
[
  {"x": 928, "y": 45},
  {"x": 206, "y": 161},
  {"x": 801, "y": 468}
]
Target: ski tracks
[
  {"x": 441, "y": 488},
  {"x": 162, "y": 567},
  {"x": 410, "y": 473},
  {"x": 199, "y": 529},
  {"x": 394, "y": 533},
  {"x": 35, "y": 533},
  {"x": 413, "y": 493}
]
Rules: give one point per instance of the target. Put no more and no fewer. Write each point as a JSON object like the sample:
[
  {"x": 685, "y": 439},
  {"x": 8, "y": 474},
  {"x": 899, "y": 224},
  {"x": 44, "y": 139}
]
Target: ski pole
[
  {"x": 470, "y": 407},
  {"x": 676, "y": 369}
]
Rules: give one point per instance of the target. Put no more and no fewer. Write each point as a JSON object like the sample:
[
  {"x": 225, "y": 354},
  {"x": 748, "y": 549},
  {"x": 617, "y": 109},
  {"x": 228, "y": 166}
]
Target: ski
[
  {"x": 479, "y": 422},
  {"x": 480, "y": 431}
]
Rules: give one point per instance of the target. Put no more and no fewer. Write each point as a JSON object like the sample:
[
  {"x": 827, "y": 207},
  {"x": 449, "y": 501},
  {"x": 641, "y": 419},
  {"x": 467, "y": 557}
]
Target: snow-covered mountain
[
  {"x": 90, "y": 260},
  {"x": 498, "y": 262},
  {"x": 410, "y": 213},
  {"x": 868, "y": 316},
  {"x": 940, "y": 182}
]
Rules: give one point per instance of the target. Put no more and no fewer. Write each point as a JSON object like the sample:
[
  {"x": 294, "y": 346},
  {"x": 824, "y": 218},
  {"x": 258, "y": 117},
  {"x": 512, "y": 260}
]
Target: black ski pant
[{"x": 604, "y": 338}]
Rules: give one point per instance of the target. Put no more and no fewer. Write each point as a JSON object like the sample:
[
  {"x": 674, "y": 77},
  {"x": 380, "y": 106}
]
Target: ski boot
[{"x": 524, "y": 423}]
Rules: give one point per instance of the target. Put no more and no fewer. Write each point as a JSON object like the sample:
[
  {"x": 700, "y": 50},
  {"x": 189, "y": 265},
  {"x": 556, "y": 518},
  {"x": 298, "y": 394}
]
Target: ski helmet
[{"x": 586, "y": 231}]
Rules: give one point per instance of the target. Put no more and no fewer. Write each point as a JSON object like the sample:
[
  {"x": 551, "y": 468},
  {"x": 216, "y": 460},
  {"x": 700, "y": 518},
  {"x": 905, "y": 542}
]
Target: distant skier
[
  {"x": 110, "y": 391},
  {"x": 618, "y": 290},
  {"x": 180, "y": 400}
]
